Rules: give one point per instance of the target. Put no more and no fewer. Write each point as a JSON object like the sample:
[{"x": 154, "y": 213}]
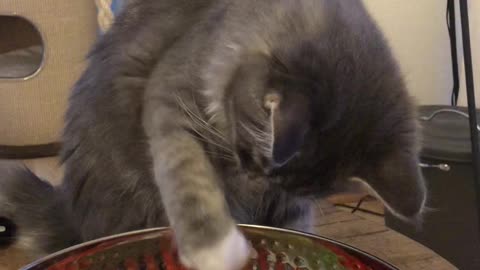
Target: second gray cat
[{"x": 203, "y": 114}]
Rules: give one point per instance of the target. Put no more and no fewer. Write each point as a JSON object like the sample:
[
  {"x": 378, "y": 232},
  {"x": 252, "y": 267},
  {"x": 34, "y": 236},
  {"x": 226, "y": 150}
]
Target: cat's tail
[{"x": 32, "y": 213}]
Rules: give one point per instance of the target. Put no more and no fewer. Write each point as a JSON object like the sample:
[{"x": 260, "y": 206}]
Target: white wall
[{"x": 417, "y": 32}]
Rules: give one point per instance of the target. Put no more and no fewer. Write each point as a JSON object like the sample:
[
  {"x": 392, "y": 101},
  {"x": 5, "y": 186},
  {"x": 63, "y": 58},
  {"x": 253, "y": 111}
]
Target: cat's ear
[
  {"x": 289, "y": 119},
  {"x": 399, "y": 183}
]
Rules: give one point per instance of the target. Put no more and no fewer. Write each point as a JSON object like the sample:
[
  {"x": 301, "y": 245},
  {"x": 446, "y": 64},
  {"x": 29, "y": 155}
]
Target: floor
[
  {"x": 363, "y": 230},
  {"x": 368, "y": 233}
]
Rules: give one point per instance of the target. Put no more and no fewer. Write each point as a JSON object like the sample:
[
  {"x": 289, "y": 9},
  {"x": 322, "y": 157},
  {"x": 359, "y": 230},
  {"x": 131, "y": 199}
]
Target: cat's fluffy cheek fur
[{"x": 230, "y": 253}]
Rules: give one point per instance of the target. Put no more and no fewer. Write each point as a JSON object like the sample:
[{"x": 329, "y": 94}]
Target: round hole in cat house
[{"x": 21, "y": 48}]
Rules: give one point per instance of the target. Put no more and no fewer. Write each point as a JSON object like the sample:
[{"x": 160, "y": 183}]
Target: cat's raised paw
[{"x": 230, "y": 253}]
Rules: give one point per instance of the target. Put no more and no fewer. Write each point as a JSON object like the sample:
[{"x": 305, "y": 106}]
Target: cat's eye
[{"x": 272, "y": 101}]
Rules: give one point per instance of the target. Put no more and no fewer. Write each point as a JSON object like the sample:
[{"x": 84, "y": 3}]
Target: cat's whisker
[
  {"x": 259, "y": 131},
  {"x": 207, "y": 123},
  {"x": 210, "y": 141},
  {"x": 256, "y": 133},
  {"x": 428, "y": 209},
  {"x": 262, "y": 138},
  {"x": 204, "y": 125},
  {"x": 219, "y": 155},
  {"x": 227, "y": 157},
  {"x": 199, "y": 119},
  {"x": 201, "y": 124}
]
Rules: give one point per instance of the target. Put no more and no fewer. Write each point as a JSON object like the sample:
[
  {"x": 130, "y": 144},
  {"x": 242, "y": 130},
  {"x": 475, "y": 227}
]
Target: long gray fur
[{"x": 169, "y": 123}]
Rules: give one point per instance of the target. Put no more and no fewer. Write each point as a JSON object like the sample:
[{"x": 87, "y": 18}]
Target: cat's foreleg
[{"x": 206, "y": 235}]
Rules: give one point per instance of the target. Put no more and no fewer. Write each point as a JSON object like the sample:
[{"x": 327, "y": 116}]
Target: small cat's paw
[{"x": 230, "y": 253}]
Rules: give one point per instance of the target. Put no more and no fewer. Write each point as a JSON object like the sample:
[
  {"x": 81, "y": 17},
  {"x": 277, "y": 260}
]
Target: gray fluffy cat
[{"x": 207, "y": 113}]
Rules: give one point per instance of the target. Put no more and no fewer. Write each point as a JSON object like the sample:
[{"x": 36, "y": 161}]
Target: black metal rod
[
  {"x": 452, "y": 32},
  {"x": 467, "y": 52}
]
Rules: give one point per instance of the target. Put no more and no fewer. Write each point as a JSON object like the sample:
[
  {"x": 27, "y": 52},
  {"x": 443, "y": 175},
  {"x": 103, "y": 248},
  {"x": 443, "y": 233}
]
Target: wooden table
[{"x": 369, "y": 233}]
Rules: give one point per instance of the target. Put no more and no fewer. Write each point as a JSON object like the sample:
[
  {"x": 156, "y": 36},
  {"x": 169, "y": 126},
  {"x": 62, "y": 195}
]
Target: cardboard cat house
[{"x": 48, "y": 41}]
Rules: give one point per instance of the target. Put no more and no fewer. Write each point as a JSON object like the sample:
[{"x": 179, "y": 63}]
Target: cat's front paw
[{"x": 230, "y": 253}]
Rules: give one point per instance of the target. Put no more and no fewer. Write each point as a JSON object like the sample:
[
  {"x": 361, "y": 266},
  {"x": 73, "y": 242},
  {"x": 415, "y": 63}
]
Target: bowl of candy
[{"x": 152, "y": 249}]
